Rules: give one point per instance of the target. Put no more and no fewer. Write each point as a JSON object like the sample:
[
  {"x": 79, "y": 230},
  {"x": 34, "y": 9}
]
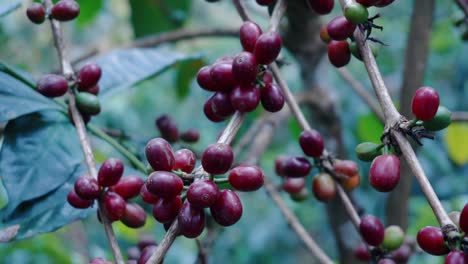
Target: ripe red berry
[
  {"x": 210, "y": 114},
  {"x": 372, "y": 230},
  {"x": 77, "y": 202},
  {"x": 165, "y": 210},
  {"x": 456, "y": 257},
  {"x": 205, "y": 81},
  {"x": 268, "y": 47},
  {"x": 148, "y": 197},
  {"x": 431, "y": 240},
  {"x": 87, "y": 188},
  {"x": 293, "y": 185},
  {"x": 323, "y": 187},
  {"x": 322, "y": 7},
  {"x": 339, "y": 53},
  {"x": 191, "y": 220},
  {"x": 383, "y": 3},
  {"x": 168, "y": 128},
  {"x": 128, "y": 187},
  {"x": 110, "y": 172},
  {"x": 115, "y": 206},
  {"x": 221, "y": 74},
  {"x": 367, "y": 3},
  {"x": 93, "y": 90},
  {"x": 227, "y": 209},
  {"x": 217, "y": 158},
  {"x": 246, "y": 178},
  {"x": 89, "y": 76},
  {"x": 248, "y": 34},
  {"x": 272, "y": 98},
  {"x": 184, "y": 160},
  {"x": 190, "y": 136},
  {"x": 347, "y": 168},
  {"x": 164, "y": 184},
  {"x": 425, "y": 103},
  {"x": 463, "y": 221},
  {"x": 340, "y": 28},
  {"x": 244, "y": 68},
  {"x": 220, "y": 103},
  {"x": 36, "y": 13},
  {"x": 362, "y": 253},
  {"x": 245, "y": 99},
  {"x": 384, "y": 173},
  {"x": 146, "y": 241},
  {"x": 280, "y": 162},
  {"x": 52, "y": 85},
  {"x": 311, "y": 143},
  {"x": 65, "y": 10},
  {"x": 203, "y": 193},
  {"x": 159, "y": 154},
  {"x": 296, "y": 167},
  {"x": 134, "y": 216},
  {"x": 146, "y": 254},
  {"x": 402, "y": 254}
]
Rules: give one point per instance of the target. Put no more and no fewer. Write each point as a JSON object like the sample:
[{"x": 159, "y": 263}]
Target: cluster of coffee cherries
[
  {"x": 172, "y": 170},
  {"x": 141, "y": 253},
  {"x": 63, "y": 10},
  {"x": 169, "y": 130},
  {"x": 113, "y": 191},
  {"x": 240, "y": 83}
]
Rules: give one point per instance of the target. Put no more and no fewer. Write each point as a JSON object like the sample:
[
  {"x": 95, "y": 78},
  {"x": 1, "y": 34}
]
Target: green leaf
[
  {"x": 89, "y": 9},
  {"x": 149, "y": 16},
  {"x": 6, "y": 9},
  {"x": 369, "y": 128},
  {"x": 457, "y": 142},
  {"x": 295, "y": 129},
  {"x": 186, "y": 71}
]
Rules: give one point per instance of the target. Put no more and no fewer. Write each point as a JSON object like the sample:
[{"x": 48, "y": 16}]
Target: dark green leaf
[
  {"x": 294, "y": 128},
  {"x": 5, "y": 9},
  {"x": 186, "y": 71},
  {"x": 89, "y": 9},
  {"x": 369, "y": 128}
]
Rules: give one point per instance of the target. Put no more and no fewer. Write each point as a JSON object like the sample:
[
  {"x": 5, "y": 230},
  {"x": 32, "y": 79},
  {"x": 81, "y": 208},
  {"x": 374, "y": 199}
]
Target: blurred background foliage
[{"x": 262, "y": 235}]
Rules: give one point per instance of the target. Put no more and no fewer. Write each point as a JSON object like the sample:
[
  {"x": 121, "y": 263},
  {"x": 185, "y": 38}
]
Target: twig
[
  {"x": 241, "y": 10},
  {"x": 202, "y": 257},
  {"x": 464, "y": 7},
  {"x": 460, "y": 117},
  {"x": 67, "y": 71}
]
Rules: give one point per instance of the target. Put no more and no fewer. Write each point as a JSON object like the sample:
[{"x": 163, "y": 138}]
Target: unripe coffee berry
[
  {"x": 110, "y": 172},
  {"x": 88, "y": 103}
]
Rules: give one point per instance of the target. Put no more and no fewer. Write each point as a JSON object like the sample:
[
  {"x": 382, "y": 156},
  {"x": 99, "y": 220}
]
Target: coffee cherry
[
  {"x": 372, "y": 230},
  {"x": 191, "y": 220},
  {"x": 205, "y": 81},
  {"x": 146, "y": 254},
  {"x": 115, "y": 206},
  {"x": 65, "y": 10},
  {"x": 267, "y": 78},
  {"x": 280, "y": 163},
  {"x": 425, "y": 103},
  {"x": 190, "y": 136},
  {"x": 134, "y": 216},
  {"x": 393, "y": 238},
  {"x": 368, "y": 151},
  {"x": 87, "y": 103},
  {"x": 146, "y": 196},
  {"x": 339, "y": 53},
  {"x": 165, "y": 210},
  {"x": 323, "y": 187},
  {"x": 431, "y": 240},
  {"x": 384, "y": 173},
  {"x": 89, "y": 76},
  {"x": 293, "y": 185},
  {"x": 383, "y": 3},
  {"x": 164, "y": 184},
  {"x": 265, "y": 2},
  {"x": 356, "y": 13},
  {"x": 386, "y": 261},
  {"x": 246, "y": 178},
  {"x": 351, "y": 183},
  {"x": 296, "y": 167},
  {"x": 248, "y": 34},
  {"x": 159, "y": 154},
  {"x": 184, "y": 160},
  {"x": 272, "y": 98},
  {"x": 36, "y": 13},
  {"x": 464, "y": 219},
  {"x": 245, "y": 99},
  {"x": 78, "y": 202},
  {"x": 128, "y": 187},
  {"x": 402, "y": 254},
  {"x": 367, "y": 3},
  {"x": 110, "y": 172},
  {"x": 217, "y": 158},
  {"x": 347, "y": 168},
  {"x": 324, "y": 34},
  {"x": 221, "y": 74},
  {"x": 146, "y": 241},
  {"x": 52, "y": 85},
  {"x": 100, "y": 261},
  {"x": 362, "y": 253},
  {"x": 210, "y": 114},
  {"x": 340, "y": 28},
  {"x": 93, "y": 90},
  {"x": 456, "y": 257},
  {"x": 168, "y": 128},
  {"x": 220, "y": 103},
  {"x": 87, "y": 188},
  {"x": 441, "y": 120},
  {"x": 311, "y": 143},
  {"x": 322, "y": 7},
  {"x": 300, "y": 196},
  {"x": 227, "y": 209},
  {"x": 268, "y": 47},
  {"x": 203, "y": 193},
  {"x": 244, "y": 68}
]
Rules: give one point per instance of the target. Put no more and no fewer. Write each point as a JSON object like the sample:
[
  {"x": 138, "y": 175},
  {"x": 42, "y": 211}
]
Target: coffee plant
[{"x": 155, "y": 145}]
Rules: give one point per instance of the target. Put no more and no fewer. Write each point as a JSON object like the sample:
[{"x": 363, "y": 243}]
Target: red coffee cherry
[
  {"x": 293, "y": 185},
  {"x": 372, "y": 230},
  {"x": 227, "y": 209},
  {"x": 248, "y": 34},
  {"x": 386, "y": 261},
  {"x": 362, "y": 253},
  {"x": 146, "y": 241},
  {"x": 351, "y": 183},
  {"x": 210, "y": 114},
  {"x": 425, "y": 103},
  {"x": 78, "y": 202},
  {"x": 272, "y": 98},
  {"x": 268, "y": 47},
  {"x": 246, "y": 178},
  {"x": 89, "y": 76},
  {"x": 93, "y": 90},
  {"x": 221, "y": 74},
  {"x": 384, "y": 173},
  {"x": 159, "y": 154},
  {"x": 295, "y": 167},
  {"x": 464, "y": 219},
  {"x": 339, "y": 53},
  {"x": 220, "y": 103},
  {"x": 191, "y": 220},
  {"x": 322, "y": 7},
  {"x": 128, "y": 187},
  {"x": 402, "y": 254},
  {"x": 431, "y": 240},
  {"x": 203, "y": 193},
  {"x": 367, "y": 3},
  {"x": 324, "y": 187},
  {"x": 383, "y": 3},
  {"x": 110, "y": 172},
  {"x": 164, "y": 184},
  {"x": 165, "y": 210},
  {"x": 244, "y": 68},
  {"x": 217, "y": 158},
  {"x": 456, "y": 257},
  {"x": 245, "y": 99},
  {"x": 134, "y": 216},
  {"x": 347, "y": 168},
  {"x": 340, "y": 28},
  {"x": 184, "y": 160},
  {"x": 190, "y": 136},
  {"x": 146, "y": 254},
  {"x": 87, "y": 188},
  {"x": 115, "y": 206},
  {"x": 65, "y": 10},
  {"x": 36, "y": 13},
  {"x": 205, "y": 81},
  {"x": 168, "y": 128},
  {"x": 52, "y": 85},
  {"x": 267, "y": 78},
  {"x": 311, "y": 143}
]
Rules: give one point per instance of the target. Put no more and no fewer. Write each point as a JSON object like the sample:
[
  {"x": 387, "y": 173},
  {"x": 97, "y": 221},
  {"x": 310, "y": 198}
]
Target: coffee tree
[{"x": 181, "y": 192}]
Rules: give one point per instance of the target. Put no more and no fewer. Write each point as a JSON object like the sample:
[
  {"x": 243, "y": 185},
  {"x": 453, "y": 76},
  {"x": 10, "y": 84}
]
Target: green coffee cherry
[
  {"x": 367, "y": 151},
  {"x": 356, "y": 13},
  {"x": 88, "y": 103},
  {"x": 440, "y": 121},
  {"x": 393, "y": 238}
]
